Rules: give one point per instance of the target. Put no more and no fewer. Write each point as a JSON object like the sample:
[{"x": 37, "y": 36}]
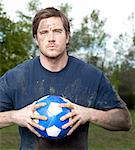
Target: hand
[
  {"x": 25, "y": 117},
  {"x": 78, "y": 115}
]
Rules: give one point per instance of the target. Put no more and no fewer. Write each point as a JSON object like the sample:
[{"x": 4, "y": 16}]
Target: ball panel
[
  {"x": 54, "y": 109},
  {"x": 53, "y": 131}
]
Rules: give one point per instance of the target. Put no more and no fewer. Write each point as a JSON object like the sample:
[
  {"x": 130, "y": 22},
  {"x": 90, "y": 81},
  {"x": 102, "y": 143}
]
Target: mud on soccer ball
[{"x": 53, "y": 112}]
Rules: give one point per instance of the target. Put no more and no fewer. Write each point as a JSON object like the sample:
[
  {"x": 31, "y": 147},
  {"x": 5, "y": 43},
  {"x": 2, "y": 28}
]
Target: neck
[{"x": 54, "y": 64}]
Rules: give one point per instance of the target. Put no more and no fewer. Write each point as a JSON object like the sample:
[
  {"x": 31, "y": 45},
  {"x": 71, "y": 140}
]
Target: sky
[{"x": 115, "y": 11}]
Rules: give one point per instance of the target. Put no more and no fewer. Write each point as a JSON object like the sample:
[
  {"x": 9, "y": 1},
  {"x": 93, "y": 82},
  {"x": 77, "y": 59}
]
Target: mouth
[{"x": 51, "y": 45}]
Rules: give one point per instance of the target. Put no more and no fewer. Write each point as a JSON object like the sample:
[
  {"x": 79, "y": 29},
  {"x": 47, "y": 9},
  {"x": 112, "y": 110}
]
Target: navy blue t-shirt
[{"x": 79, "y": 82}]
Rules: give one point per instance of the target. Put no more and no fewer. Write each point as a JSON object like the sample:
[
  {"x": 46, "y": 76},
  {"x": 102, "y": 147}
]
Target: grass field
[{"x": 100, "y": 139}]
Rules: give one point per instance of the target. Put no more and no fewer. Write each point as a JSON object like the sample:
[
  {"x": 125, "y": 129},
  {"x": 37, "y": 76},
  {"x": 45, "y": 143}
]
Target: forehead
[{"x": 52, "y": 22}]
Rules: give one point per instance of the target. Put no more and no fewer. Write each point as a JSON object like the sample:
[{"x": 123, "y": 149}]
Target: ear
[{"x": 67, "y": 40}]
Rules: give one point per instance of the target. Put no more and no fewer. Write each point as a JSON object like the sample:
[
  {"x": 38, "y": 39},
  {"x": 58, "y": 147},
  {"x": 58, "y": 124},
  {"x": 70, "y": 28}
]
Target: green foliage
[
  {"x": 33, "y": 5},
  {"x": 123, "y": 74},
  {"x": 15, "y": 42},
  {"x": 92, "y": 38},
  {"x": 123, "y": 78},
  {"x": 91, "y": 34},
  {"x": 65, "y": 8},
  {"x": 127, "y": 86}
]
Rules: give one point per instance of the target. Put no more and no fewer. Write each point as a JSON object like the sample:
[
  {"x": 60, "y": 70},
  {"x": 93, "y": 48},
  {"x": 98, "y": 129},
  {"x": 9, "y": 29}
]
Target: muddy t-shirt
[{"x": 79, "y": 82}]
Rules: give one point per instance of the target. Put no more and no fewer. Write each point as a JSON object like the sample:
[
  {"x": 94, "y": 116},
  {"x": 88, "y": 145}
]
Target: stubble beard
[{"x": 53, "y": 57}]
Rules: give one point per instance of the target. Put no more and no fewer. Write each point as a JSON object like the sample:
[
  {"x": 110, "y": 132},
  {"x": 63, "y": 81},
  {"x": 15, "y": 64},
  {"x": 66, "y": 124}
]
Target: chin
[{"x": 53, "y": 56}]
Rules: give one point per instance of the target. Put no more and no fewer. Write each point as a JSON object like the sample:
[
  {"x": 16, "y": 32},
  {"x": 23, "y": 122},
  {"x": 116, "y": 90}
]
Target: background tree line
[{"x": 89, "y": 43}]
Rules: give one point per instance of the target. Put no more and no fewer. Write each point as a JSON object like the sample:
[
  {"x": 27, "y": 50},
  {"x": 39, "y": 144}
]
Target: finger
[
  {"x": 39, "y": 105},
  {"x": 74, "y": 128},
  {"x": 33, "y": 130},
  {"x": 69, "y": 115},
  {"x": 71, "y": 122},
  {"x": 36, "y": 116},
  {"x": 36, "y": 106},
  {"x": 67, "y": 105},
  {"x": 37, "y": 126},
  {"x": 34, "y": 124}
]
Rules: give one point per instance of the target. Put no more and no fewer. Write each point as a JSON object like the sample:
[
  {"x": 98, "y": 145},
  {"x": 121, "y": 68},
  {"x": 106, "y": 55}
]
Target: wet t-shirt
[{"x": 79, "y": 82}]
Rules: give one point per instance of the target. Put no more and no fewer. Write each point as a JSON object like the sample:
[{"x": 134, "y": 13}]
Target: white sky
[{"x": 116, "y": 11}]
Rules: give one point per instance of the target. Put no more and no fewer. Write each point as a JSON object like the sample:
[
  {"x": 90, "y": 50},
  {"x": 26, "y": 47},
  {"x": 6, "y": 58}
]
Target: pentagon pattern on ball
[{"x": 53, "y": 131}]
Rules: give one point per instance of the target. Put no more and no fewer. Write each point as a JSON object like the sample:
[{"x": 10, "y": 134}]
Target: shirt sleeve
[
  {"x": 107, "y": 97},
  {"x": 5, "y": 94}
]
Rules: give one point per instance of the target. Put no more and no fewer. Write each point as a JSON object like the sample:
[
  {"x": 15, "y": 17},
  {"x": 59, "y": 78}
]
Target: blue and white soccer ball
[{"x": 52, "y": 110}]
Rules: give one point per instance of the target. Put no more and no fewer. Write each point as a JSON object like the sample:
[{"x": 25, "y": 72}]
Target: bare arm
[
  {"x": 114, "y": 119},
  {"x": 23, "y": 117},
  {"x": 5, "y": 119}
]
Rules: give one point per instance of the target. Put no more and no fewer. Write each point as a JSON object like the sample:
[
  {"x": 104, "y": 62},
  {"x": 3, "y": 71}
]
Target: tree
[
  {"x": 123, "y": 76},
  {"x": 26, "y": 21},
  {"x": 14, "y": 42},
  {"x": 91, "y": 37}
]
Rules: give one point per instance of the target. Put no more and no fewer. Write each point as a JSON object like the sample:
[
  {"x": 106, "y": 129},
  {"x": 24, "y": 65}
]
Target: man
[{"x": 88, "y": 92}]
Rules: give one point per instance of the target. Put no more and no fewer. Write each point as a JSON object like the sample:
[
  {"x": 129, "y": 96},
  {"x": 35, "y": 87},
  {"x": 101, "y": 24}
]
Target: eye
[
  {"x": 43, "y": 32},
  {"x": 58, "y": 30}
]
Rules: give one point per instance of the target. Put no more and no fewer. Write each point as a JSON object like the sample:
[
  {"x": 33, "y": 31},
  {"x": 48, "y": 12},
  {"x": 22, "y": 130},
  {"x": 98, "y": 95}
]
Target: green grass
[
  {"x": 99, "y": 139},
  {"x": 9, "y": 138}
]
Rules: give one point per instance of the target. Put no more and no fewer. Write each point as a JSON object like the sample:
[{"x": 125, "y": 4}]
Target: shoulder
[
  {"x": 21, "y": 68},
  {"x": 85, "y": 68},
  {"x": 19, "y": 72}
]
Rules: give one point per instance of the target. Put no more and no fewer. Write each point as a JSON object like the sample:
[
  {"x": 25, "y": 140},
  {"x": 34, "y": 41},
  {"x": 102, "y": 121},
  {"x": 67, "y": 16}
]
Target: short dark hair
[{"x": 47, "y": 13}]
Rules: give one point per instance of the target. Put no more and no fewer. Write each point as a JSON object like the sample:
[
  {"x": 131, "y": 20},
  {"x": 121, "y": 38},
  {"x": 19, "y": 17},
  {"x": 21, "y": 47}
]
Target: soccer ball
[{"x": 53, "y": 112}]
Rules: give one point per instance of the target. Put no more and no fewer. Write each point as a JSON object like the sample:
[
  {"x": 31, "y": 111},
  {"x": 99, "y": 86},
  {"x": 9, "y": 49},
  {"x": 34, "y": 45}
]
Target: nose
[{"x": 51, "y": 37}]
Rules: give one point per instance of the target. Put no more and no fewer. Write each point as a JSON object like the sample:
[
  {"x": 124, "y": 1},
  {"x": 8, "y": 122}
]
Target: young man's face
[{"x": 51, "y": 37}]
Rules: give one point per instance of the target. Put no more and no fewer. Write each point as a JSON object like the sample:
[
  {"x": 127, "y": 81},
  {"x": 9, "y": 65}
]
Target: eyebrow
[{"x": 46, "y": 29}]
